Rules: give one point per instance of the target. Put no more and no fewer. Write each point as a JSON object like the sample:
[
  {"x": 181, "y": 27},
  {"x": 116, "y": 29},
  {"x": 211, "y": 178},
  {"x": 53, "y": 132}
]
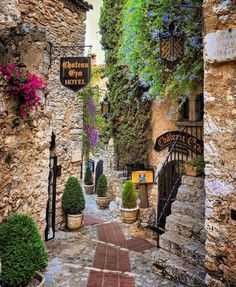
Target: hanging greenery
[
  {"x": 130, "y": 111},
  {"x": 143, "y": 21}
]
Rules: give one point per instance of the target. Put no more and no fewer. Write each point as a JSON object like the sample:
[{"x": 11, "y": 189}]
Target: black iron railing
[
  {"x": 127, "y": 169},
  {"x": 188, "y": 145}
]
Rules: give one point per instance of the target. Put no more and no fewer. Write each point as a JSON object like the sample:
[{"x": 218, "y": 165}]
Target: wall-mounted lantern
[
  {"x": 105, "y": 107},
  {"x": 171, "y": 46}
]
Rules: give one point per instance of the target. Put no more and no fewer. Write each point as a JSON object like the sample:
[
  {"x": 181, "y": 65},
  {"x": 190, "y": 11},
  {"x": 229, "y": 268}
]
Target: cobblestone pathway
[{"x": 104, "y": 253}]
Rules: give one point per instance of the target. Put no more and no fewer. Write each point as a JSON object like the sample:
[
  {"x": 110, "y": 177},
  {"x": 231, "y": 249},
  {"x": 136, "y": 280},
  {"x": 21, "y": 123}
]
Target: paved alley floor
[{"x": 104, "y": 253}]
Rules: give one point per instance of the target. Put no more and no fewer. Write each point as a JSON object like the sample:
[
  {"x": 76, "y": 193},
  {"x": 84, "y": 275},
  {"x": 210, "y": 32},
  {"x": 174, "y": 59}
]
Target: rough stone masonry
[
  {"x": 34, "y": 32},
  {"x": 220, "y": 141}
]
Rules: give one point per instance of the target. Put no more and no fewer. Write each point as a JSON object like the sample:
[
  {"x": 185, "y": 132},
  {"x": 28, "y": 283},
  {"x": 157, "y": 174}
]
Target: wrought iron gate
[
  {"x": 51, "y": 204},
  {"x": 167, "y": 181},
  {"x": 188, "y": 145},
  {"x": 99, "y": 172}
]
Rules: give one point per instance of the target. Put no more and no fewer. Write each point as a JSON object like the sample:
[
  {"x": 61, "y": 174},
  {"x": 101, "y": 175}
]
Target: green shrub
[
  {"x": 88, "y": 178},
  {"x": 22, "y": 251},
  {"x": 102, "y": 187},
  {"x": 198, "y": 162},
  {"x": 129, "y": 195},
  {"x": 73, "y": 201}
]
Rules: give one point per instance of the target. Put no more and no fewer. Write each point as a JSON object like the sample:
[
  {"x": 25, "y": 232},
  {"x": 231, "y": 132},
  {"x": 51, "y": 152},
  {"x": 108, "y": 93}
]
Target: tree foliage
[{"x": 143, "y": 21}]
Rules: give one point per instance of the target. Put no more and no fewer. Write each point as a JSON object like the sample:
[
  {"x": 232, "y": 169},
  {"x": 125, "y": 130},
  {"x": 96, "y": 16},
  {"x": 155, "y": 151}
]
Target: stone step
[
  {"x": 174, "y": 268},
  {"x": 190, "y": 209},
  {"x": 191, "y": 194},
  {"x": 197, "y": 182},
  {"x": 186, "y": 226},
  {"x": 192, "y": 251}
]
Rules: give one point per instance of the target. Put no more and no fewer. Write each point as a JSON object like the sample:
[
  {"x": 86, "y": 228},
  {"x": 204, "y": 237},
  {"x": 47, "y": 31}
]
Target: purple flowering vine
[
  {"x": 91, "y": 108},
  {"x": 91, "y": 134}
]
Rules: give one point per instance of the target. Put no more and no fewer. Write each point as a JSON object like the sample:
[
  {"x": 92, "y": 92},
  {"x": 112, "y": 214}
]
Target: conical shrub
[
  {"x": 73, "y": 201},
  {"x": 102, "y": 187},
  {"x": 129, "y": 195},
  {"x": 88, "y": 178}
]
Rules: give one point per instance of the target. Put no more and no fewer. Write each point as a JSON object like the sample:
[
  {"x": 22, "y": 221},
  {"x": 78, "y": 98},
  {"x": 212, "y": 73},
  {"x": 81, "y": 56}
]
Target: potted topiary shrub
[
  {"x": 88, "y": 181},
  {"x": 22, "y": 253},
  {"x": 129, "y": 209},
  {"x": 73, "y": 203},
  {"x": 194, "y": 167},
  {"x": 102, "y": 199}
]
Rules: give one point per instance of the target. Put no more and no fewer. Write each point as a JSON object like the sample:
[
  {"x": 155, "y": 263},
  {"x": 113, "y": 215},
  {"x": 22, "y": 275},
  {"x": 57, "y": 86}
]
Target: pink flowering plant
[{"x": 23, "y": 86}]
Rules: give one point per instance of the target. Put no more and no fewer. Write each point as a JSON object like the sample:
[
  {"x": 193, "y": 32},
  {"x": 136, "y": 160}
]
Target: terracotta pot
[
  {"x": 74, "y": 221},
  {"x": 191, "y": 170},
  {"x": 103, "y": 202},
  {"x": 38, "y": 277},
  {"x": 89, "y": 189},
  {"x": 41, "y": 279},
  {"x": 129, "y": 215}
]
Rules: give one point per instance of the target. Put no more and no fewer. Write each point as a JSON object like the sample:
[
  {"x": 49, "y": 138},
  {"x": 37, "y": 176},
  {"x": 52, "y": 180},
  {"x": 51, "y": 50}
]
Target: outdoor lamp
[
  {"x": 171, "y": 46},
  {"x": 106, "y": 107}
]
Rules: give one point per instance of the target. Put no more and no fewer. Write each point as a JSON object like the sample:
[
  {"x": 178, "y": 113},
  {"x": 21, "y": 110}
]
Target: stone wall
[
  {"x": 24, "y": 149},
  {"x": 107, "y": 155},
  {"x": 9, "y": 14},
  {"x": 42, "y": 26},
  {"x": 220, "y": 141},
  {"x": 161, "y": 122}
]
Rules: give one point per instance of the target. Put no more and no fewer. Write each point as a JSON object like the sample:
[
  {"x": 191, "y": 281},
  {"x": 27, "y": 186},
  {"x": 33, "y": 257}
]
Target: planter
[
  {"x": 103, "y": 202},
  {"x": 129, "y": 215},
  {"x": 88, "y": 189},
  {"x": 74, "y": 221},
  {"x": 37, "y": 281},
  {"x": 191, "y": 170}
]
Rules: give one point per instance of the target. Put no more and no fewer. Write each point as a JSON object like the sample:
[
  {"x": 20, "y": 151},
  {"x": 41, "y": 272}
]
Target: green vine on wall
[{"x": 130, "y": 112}]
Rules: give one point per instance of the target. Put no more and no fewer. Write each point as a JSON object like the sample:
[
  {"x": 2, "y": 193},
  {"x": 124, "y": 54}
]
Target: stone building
[
  {"x": 204, "y": 212},
  {"x": 220, "y": 141},
  {"x": 37, "y": 34}
]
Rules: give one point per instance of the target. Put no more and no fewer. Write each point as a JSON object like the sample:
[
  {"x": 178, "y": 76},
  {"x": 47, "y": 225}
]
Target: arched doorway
[
  {"x": 168, "y": 183},
  {"x": 99, "y": 172}
]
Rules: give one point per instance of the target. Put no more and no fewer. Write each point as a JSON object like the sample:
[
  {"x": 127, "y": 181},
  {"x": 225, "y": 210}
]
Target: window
[
  {"x": 199, "y": 107},
  {"x": 184, "y": 111}
]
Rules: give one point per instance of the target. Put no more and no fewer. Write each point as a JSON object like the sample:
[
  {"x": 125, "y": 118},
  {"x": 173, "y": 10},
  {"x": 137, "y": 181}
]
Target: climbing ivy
[{"x": 130, "y": 118}]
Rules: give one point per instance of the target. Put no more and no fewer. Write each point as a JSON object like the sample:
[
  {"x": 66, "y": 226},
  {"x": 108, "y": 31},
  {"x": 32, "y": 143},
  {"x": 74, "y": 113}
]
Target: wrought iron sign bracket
[
  {"x": 72, "y": 46},
  {"x": 66, "y": 47}
]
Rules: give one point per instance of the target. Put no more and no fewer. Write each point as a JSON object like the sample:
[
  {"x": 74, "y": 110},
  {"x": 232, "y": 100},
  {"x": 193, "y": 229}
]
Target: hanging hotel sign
[
  {"x": 185, "y": 141},
  {"x": 75, "y": 72}
]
